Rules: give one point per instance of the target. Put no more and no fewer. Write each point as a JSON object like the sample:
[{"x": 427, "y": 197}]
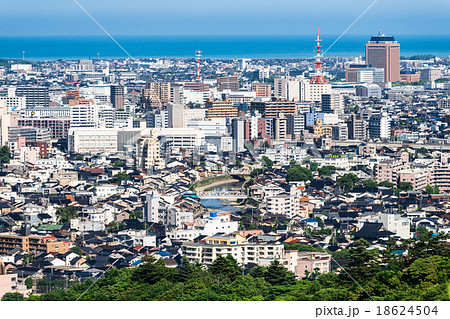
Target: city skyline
[{"x": 202, "y": 17}]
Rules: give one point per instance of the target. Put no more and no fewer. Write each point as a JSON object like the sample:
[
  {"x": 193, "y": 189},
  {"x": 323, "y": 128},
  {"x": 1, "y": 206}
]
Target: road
[{"x": 432, "y": 147}]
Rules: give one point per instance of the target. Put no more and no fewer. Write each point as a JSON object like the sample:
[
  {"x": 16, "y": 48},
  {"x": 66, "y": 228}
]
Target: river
[{"x": 220, "y": 204}]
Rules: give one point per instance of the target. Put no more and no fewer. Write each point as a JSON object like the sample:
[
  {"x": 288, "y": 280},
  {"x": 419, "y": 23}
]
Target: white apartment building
[
  {"x": 244, "y": 253},
  {"x": 283, "y": 205},
  {"x": 313, "y": 92},
  {"x": 105, "y": 191},
  {"x": 392, "y": 222},
  {"x": 90, "y": 219},
  {"x": 14, "y": 102}
]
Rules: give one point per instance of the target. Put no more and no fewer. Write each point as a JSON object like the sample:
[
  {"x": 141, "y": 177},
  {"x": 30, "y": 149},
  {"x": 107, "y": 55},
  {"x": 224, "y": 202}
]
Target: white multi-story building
[
  {"x": 286, "y": 205},
  {"x": 90, "y": 219},
  {"x": 392, "y": 222},
  {"x": 243, "y": 252},
  {"x": 85, "y": 115},
  {"x": 212, "y": 127},
  {"x": 288, "y": 88},
  {"x": 14, "y": 102}
]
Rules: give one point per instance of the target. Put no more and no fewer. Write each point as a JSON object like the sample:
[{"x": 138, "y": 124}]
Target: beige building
[
  {"x": 261, "y": 89},
  {"x": 273, "y": 108},
  {"x": 149, "y": 152},
  {"x": 220, "y": 109},
  {"x": 419, "y": 178},
  {"x": 303, "y": 262},
  {"x": 388, "y": 170},
  {"x": 33, "y": 244},
  {"x": 156, "y": 94}
]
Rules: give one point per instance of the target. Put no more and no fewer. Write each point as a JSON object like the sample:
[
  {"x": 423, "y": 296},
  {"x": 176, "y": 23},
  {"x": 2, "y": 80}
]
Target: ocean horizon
[{"x": 213, "y": 47}]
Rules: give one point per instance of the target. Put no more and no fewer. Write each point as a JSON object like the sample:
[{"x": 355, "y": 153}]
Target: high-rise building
[
  {"x": 333, "y": 103},
  {"x": 379, "y": 127},
  {"x": 357, "y": 128},
  {"x": 295, "y": 124},
  {"x": 430, "y": 74},
  {"x": 384, "y": 52},
  {"x": 261, "y": 89},
  {"x": 288, "y": 88},
  {"x": 35, "y": 96},
  {"x": 223, "y": 108},
  {"x": 117, "y": 96},
  {"x": 156, "y": 94},
  {"x": 280, "y": 128},
  {"x": 273, "y": 108},
  {"x": 238, "y": 134},
  {"x": 228, "y": 83}
]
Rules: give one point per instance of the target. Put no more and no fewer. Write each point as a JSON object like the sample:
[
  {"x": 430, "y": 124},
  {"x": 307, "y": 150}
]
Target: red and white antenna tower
[
  {"x": 318, "y": 77},
  {"x": 198, "y": 54}
]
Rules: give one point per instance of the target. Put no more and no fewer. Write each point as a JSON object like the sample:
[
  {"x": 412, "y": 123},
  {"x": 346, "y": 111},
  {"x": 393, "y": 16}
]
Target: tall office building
[
  {"x": 295, "y": 124},
  {"x": 384, "y": 52},
  {"x": 379, "y": 127},
  {"x": 117, "y": 96},
  {"x": 333, "y": 103},
  {"x": 35, "y": 96},
  {"x": 223, "y": 108},
  {"x": 288, "y": 88},
  {"x": 273, "y": 108},
  {"x": 228, "y": 83},
  {"x": 157, "y": 94},
  {"x": 357, "y": 128},
  {"x": 262, "y": 89},
  {"x": 238, "y": 134}
]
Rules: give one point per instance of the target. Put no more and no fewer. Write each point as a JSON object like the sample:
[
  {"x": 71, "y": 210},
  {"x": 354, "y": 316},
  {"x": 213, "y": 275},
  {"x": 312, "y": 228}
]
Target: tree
[
  {"x": 362, "y": 262},
  {"x": 370, "y": 184},
  {"x": 27, "y": 259},
  {"x": 77, "y": 250},
  {"x": 436, "y": 189},
  {"x": 313, "y": 166},
  {"x": 137, "y": 214},
  {"x": 422, "y": 150},
  {"x": 79, "y": 158},
  {"x": 29, "y": 282},
  {"x": 118, "y": 163},
  {"x": 326, "y": 170},
  {"x": 12, "y": 296},
  {"x": 65, "y": 214},
  {"x": 267, "y": 162},
  {"x": 405, "y": 186},
  {"x": 225, "y": 268},
  {"x": 386, "y": 184},
  {"x": 5, "y": 154},
  {"x": 347, "y": 182},
  {"x": 429, "y": 189},
  {"x": 278, "y": 275},
  {"x": 298, "y": 173},
  {"x": 118, "y": 178}
]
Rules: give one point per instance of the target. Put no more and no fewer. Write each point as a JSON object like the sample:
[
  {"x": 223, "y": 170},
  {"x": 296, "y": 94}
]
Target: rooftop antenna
[{"x": 198, "y": 54}]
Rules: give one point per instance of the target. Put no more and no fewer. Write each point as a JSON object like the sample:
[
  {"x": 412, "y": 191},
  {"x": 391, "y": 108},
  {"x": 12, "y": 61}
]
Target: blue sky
[{"x": 227, "y": 17}]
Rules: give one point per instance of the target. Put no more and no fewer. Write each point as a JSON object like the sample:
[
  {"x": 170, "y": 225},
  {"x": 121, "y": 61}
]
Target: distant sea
[{"x": 214, "y": 47}]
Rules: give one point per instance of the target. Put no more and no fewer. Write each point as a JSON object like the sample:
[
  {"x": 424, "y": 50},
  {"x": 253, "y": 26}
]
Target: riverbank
[{"x": 213, "y": 182}]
